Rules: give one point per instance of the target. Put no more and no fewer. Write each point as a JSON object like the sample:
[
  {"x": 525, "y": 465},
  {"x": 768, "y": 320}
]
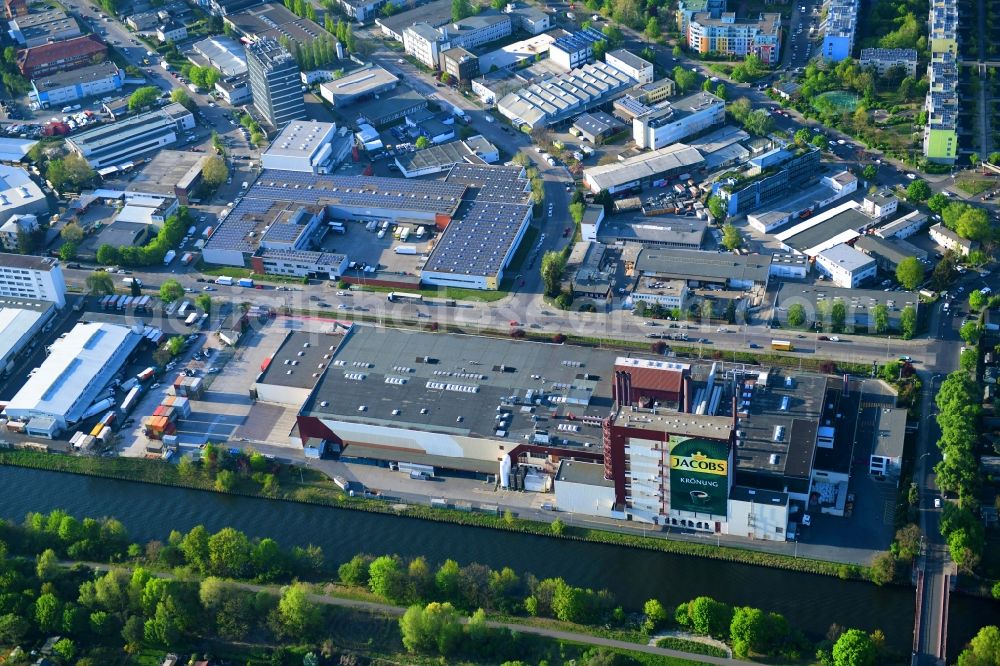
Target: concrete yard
[{"x": 366, "y": 247}]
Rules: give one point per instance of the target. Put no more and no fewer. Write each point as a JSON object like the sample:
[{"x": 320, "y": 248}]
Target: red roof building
[
  {"x": 61, "y": 56},
  {"x": 15, "y": 8}
]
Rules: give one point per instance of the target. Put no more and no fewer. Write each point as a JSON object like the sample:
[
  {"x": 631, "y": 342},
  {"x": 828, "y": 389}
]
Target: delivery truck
[
  {"x": 224, "y": 280},
  {"x": 246, "y": 282}
]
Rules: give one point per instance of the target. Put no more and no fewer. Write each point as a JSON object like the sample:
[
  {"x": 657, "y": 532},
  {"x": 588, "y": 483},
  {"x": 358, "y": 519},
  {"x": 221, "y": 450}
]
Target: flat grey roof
[
  {"x": 300, "y": 138},
  {"x": 588, "y": 473},
  {"x": 849, "y": 220},
  {"x": 361, "y": 81},
  {"x": 889, "y": 430},
  {"x": 597, "y": 123},
  {"x": 846, "y": 257},
  {"x": 893, "y": 249},
  {"x": 402, "y": 98},
  {"x": 28, "y": 261},
  {"x": 434, "y": 13},
  {"x": 165, "y": 170},
  {"x": 858, "y": 299},
  {"x": 630, "y": 59},
  {"x": 443, "y": 154},
  {"x": 273, "y": 20},
  {"x": 299, "y": 356},
  {"x": 461, "y": 384},
  {"x": 662, "y": 230},
  {"x": 704, "y": 266},
  {"x": 277, "y": 190},
  {"x": 70, "y": 77},
  {"x": 646, "y": 165},
  {"x": 758, "y": 496}
]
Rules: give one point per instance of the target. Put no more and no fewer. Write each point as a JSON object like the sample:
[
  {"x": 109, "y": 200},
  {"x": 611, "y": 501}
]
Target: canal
[{"x": 811, "y": 603}]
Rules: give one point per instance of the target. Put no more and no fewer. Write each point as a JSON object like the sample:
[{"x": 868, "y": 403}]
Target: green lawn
[{"x": 974, "y": 186}]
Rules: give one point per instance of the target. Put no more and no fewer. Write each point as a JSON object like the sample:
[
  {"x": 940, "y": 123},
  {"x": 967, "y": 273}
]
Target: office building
[
  {"x": 307, "y": 146},
  {"x": 360, "y": 85},
  {"x": 888, "y": 425},
  {"x": 426, "y": 42},
  {"x": 435, "y": 13},
  {"x": 575, "y": 50},
  {"x": 804, "y": 202},
  {"x": 670, "y": 122},
  {"x": 882, "y": 60},
  {"x": 275, "y": 83},
  {"x": 27, "y": 276},
  {"x": 767, "y": 178},
  {"x": 632, "y": 65},
  {"x": 596, "y": 127},
  {"x": 171, "y": 32},
  {"x": 61, "y": 56},
  {"x": 904, "y": 227},
  {"x": 845, "y": 266},
  {"x": 364, "y": 10},
  {"x": 460, "y": 64},
  {"x": 73, "y": 377},
  {"x": 528, "y": 18},
  {"x": 590, "y": 225},
  {"x": 561, "y": 97},
  {"x": 57, "y": 88},
  {"x": 43, "y": 27},
  {"x": 235, "y": 89},
  {"x": 839, "y": 29},
  {"x": 727, "y": 35},
  {"x": 133, "y": 137}
]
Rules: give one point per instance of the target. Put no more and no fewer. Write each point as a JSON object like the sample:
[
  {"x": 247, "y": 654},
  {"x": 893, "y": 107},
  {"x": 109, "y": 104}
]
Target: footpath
[{"x": 390, "y": 609}]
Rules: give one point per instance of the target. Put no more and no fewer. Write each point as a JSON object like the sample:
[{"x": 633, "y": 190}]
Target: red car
[
  {"x": 565, "y": 232},
  {"x": 513, "y": 322}
]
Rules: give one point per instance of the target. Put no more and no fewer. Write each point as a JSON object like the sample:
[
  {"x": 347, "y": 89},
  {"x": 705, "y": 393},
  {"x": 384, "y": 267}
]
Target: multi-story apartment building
[
  {"x": 688, "y": 8},
  {"x": 882, "y": 60},
  {"x": 941, "y": 104},
  {"x": 26, "y": 276},
  {"x": 275, "y": 83},
  {"x": 727, "y": 35},
  {"x": 839, "y": 29}
]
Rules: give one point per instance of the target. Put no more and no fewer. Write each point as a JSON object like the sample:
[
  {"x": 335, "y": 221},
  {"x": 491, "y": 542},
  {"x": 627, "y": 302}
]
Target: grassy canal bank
[{"x": 256, "y": 477}]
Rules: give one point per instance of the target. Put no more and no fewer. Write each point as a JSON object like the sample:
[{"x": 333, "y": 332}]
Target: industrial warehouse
[
  {"x": 749, "y": 450},
  {"x": 480, "y": 212}
]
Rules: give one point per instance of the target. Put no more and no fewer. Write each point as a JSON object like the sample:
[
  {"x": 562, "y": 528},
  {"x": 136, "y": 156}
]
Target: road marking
[{"x": 888, "y": 512}]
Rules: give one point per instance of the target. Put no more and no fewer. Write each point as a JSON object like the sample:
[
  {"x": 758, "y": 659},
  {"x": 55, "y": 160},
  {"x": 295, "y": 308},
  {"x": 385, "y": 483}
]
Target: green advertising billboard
[{"x": 699, "y": 475}]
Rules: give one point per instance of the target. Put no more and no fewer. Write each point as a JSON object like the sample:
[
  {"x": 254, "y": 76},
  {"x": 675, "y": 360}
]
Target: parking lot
[{"x": 365, "y": 247}]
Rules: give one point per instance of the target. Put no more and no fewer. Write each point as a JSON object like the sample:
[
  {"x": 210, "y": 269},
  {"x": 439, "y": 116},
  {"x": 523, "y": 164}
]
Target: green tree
[
  {"x": 300, "y": 616},
  {"x": 974, "y": 159},
  {"x": 652, "y": 30},
  {"x": 731, "y": 238},
  {"x": 13, "y": 628},
  {"x": 552, "y": 267},
  {"x": 918, "y": 191},
  {"x": 721, "y": 91},
  {"x": 229, "y": 553},
  {"x": 908, "y": 542},
  {"x": 557, "y": 527},
  {"x": 194, "y": 546},
  {"x": 854, "y": 648},
  {"x": 968, "y": 359},
  {"x": 100, "y": 283},
  {"x": 65, "y": 649},
  {"x": 937, "y": 202},
  {"x": 225, "y": 480},
  {"x": 838, "y": 315},
  {"x": 869, "y": 172},
  {"x": 181, "y": 96},
  {"x": 613, "y": 35},
  {"x": 214, "y": 172},
  {"x": 143, "y": 97},
  {"x": 796, "y": 315},
  {"x": 970, "y": 332},
  {"x": 976, "y": 299},
  {"x": 386, "y": 579},
  {"x": 48, "y": 612},
  {"x": 448, "y": 580},
  {"x": 47, "y": 565},
  {"x": 577, "y": 211},
  {"x": 461, "y": 9},
  {"x": 717, "y": 208},
  {"x": 171, "y": 290},
  {"x": 655, "y": 614},
  {"x": 983, "y": 649},
  {"x": 71, "y": 233},
  {"x": 133, "y": 633},
  {"x": 974, "y": 224},
  {"x": 204, "y": 302},
  {"x": 422, "y": 142},
  {"x": 107, "y": 254},
  {"x": 710, "y": 617},
  {"x": 433, "y": 629},
  {"x": 880, "y": 318},
  {"x": 676, "y": 51},
  {"x": 908, "y": 322},
  {"x": 883, "y": 568},
  {"x": 354, "y": 571},
  {"x": 910, "y": 273}
]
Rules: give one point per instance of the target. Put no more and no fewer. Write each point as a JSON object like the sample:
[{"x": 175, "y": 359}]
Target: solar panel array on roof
[{"x": 477, "y": 243}]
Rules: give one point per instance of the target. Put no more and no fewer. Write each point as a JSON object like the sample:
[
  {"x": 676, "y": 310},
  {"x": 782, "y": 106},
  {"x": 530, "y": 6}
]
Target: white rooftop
[
  {"x": 847, "y": 257},
  {"x": 301, "y": 138},
  {"x": 17, "y": 188},
  {"x": 64, "y": 386},
  {"x": 15, "y": 323}
]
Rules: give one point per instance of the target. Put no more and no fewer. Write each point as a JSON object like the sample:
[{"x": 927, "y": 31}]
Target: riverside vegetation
[
  {"x": 181, "y": 595},
  {"x": 252, "y": 474}
]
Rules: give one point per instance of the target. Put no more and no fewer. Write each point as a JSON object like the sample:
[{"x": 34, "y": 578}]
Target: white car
[
  {"x": 911, "y": 176},
  {"x": 806, "y": 520},
  {"x": 937, "y": 502},
  {"x": 834, "y": 338}
]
